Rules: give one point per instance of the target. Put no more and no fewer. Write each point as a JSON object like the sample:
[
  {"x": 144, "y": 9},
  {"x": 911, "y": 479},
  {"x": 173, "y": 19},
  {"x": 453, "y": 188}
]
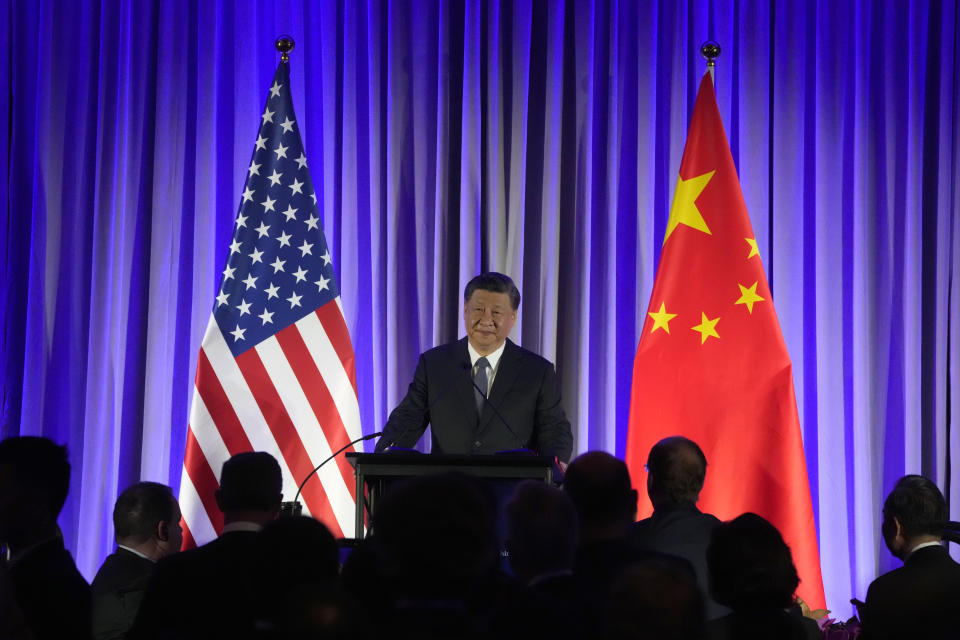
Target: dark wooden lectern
[{"x": 374, "y": 471}]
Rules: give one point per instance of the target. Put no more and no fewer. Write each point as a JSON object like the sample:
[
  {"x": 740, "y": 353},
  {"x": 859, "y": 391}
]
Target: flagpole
[
  {"x": 284, "y": 45},
  {"x": 710, "y": 50}
]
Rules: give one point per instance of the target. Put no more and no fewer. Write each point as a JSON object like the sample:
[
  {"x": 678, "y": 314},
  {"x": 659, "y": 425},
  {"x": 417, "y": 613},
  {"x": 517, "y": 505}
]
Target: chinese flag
[{"x": 712, "y": 364}]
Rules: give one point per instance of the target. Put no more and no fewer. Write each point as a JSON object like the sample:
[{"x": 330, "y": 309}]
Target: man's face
[{"x": 488, "y": 318}]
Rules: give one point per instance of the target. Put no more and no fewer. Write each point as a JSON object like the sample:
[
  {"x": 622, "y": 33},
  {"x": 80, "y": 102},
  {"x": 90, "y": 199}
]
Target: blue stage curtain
[{"x": 541, "y": 139}]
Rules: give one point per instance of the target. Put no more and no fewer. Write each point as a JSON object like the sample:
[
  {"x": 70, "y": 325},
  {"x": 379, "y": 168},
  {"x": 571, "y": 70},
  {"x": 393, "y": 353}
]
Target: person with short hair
[
  {"x": 512, "y": 401},
  {"x": 209, "y": 591},
  {"x": 146, "y": 522},
  {"x": 47, "y": 588},
  {"x": 921, "y": 599},
  {"x": 541, "y": 533},
  {"x": 676, "y": 471},
  {"x": 752, "y": 572},
  {"x": 599, "y": 486}
]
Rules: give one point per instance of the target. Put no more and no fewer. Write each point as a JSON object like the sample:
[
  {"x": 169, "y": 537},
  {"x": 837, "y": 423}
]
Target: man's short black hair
[
  {"x": 677, "y": 469},
  {"x": 919, "y": 506},
  {"x": 139, "y": 508},
  {"x": 496, "y": 282},
  {"x": 40, "y": 466},
  {"x": 251, "y": 480}
]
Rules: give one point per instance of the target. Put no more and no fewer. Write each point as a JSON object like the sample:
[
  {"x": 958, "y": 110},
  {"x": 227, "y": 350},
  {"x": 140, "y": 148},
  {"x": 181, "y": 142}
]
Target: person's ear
[
  {"x": 163, "y": 531},
  {"x": 898, "y": 528}
]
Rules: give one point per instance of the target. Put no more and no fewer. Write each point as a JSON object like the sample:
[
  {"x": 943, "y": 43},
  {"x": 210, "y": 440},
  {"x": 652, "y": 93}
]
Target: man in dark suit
[
  {"x": 208, "y": 592},
  {"x": 47, "y": 588},
  {"x": 507, "y": 380},
  {"x": 599, "y": 486},
  {"x": 146, "y": 521},
  {"x": 676, "y": 469},
  {"x": 921, "y": 599}
]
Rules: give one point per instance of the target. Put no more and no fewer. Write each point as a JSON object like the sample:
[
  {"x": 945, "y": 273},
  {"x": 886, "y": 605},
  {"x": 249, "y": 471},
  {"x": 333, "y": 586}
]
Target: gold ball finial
[
  {"x": 710, "y": 51},
  {"x": 284, "y": 45}
]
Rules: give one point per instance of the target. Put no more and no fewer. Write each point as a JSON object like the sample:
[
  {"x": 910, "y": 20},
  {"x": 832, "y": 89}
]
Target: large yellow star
[
  {"x": 684, "y": 208},
  {"x": 661, "y": 319},
  {"x": 748, "y": 295},
  {"x": 753, "y": 247},
  {"x": 707, "y": 327}
]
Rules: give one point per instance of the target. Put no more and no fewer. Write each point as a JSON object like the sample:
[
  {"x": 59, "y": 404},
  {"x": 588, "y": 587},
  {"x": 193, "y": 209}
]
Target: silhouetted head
[
  {"x": 676, "y": 469},
  {"x": 146, "y": 517},
  {"x": 913, "y": 513},
  {"x": 296, "y": 566},
  {"x": 655, "y": 600},
  {"x": 750, "y": 565},
  {"x": 34, "y": 481},
  {"x": 437, "y": 534},
  {"x": 541, "y": 530},
  {"x": 251, "y": 488},
  {"x": 599, "y": 487}
]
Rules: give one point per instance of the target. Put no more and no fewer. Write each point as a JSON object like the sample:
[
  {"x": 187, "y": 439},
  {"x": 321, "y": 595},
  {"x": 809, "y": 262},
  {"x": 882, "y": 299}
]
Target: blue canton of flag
[{"x": 279, "y": 269}]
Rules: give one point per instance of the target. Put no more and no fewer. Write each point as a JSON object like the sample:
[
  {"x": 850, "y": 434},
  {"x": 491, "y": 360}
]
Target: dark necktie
[{"x": 480, "y": 379}]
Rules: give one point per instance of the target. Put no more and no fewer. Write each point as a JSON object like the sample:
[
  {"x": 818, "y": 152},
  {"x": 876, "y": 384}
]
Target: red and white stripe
[{"x": 294, "y": 396}]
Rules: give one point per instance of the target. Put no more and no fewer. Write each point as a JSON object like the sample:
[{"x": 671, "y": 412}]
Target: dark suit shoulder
[
  {"x": 121, "y": 565},
  {"x": 918, "y": 598},
  {"x": 51, "y": 593},
  {"x": 117, "y": 591}
]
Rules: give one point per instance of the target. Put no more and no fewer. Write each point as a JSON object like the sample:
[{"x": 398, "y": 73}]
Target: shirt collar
[
  {"x": 241, "y": 525},
  {"x": 493, "y": 358},
  {"x": 921, "y": 546},
  {"x": 135, "y": 552}
]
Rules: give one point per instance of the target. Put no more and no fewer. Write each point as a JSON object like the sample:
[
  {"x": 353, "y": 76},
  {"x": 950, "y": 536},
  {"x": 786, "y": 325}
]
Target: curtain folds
[{"x": 541, "y": 139}]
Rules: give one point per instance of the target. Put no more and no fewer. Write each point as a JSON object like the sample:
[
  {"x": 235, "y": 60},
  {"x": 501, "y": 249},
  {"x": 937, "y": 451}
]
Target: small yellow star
[
  {"x": 748, "y": 295},
  {"x": 753, "y": 247},
  {"x": 684, "y": 208},
  {"x": 661, "y": 319},
  {"x": 707, "y": 327}
]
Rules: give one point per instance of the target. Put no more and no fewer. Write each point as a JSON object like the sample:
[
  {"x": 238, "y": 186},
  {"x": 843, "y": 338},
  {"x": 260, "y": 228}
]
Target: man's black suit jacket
[
  {"x": 921, "y": 599},
  {"x": 117, "y": 591},
  {"x": 681, "y": 530},
  {"x": 51, "y": 593},
  {"x": 524, "y": 391},
  {"x": 207, "y": 592}
]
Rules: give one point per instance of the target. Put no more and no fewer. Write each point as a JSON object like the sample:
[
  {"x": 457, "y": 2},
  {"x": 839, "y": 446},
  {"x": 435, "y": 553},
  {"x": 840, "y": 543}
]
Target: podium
[{"x": 375, "y": 471}]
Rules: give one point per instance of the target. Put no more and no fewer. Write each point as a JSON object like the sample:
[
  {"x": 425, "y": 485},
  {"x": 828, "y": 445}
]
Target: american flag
[{"x": 275, "y": 371}]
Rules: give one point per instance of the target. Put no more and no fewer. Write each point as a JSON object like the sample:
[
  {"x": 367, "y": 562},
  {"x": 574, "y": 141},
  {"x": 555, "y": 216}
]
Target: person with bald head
[{"x": 676, "y": 470}]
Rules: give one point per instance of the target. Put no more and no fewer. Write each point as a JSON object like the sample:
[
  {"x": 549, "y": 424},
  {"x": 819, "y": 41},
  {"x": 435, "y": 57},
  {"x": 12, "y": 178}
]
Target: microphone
[
  {"x": 487, "y": 403},
  {"x": 294, "y": 508}
]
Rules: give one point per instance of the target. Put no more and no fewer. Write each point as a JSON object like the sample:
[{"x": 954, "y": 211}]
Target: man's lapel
[{"x": 465, "y": 383}]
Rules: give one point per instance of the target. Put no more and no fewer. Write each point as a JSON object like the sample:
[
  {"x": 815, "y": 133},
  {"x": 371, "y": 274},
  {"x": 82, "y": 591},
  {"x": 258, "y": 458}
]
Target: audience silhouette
[
  {"x": 48, "y": 591},
  {"x": 431, "y": 566},
  {"x": 146, "y": 522},
  {"x": 210, "y": 591},
  {"x": 676, "y": 469},
  {"x": 921, "y": 599},
  {"x": 752, "y": 572}
]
